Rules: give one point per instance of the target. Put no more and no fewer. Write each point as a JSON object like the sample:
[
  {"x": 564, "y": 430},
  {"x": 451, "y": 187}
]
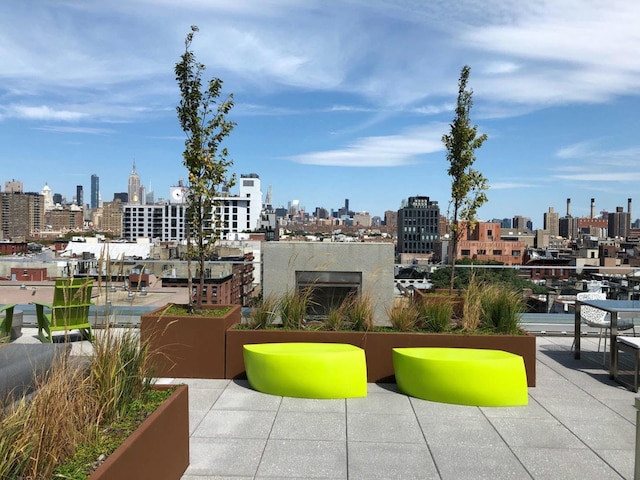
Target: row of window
[{"x": 467, "y": 253}]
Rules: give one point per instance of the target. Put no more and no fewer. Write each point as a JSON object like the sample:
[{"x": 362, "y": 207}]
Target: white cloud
[
  {"x": 380, "y": 151},
  {"x": 84, "y": 130},
  {"x": 512, "y": 185},
  {"x": 398, "y": 56},
  {"x": 41, "y": 112},
  {"x": 595, "y": 164},
  {"x": 603, "y": 176}
]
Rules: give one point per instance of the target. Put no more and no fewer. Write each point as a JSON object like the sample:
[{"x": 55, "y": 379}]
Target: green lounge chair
[
  {"x": 5, "y": 323},
  {"x": 69, "y": 310}
]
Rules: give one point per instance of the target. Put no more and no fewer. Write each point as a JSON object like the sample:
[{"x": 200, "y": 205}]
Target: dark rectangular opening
[{"x": 328, "y": 289}]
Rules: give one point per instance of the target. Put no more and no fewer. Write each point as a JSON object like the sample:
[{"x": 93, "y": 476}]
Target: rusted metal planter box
[
  {"x": 188, "y": 346},
  {"x": 158, "y": 448}
]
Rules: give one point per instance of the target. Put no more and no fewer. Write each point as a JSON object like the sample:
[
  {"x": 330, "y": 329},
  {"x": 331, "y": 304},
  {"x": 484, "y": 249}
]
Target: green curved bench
[
  {"x": 464, "y": 376},
  {"x": 307, "y": 370}
]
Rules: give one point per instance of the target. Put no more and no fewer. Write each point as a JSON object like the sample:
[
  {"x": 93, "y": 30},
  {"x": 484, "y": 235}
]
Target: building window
[
  {"x": 465, "y": 252},
  {"x": 497, "y": 252},
  {"x": 482, "y": 251},
  {"x": 516, "y": 253}
]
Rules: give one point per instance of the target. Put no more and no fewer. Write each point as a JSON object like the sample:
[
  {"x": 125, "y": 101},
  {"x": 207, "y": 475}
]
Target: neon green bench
[
  {"x": 464, "y": 376},
  {"x": 307, "y": 370}
]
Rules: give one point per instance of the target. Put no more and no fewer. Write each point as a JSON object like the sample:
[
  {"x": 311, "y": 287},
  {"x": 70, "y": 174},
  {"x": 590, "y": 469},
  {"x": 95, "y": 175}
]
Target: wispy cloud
[
  {"x": 512, "y": 185},
  {"x": 391, "y": 54},
  {"x": 595, "y": 164},
  {"x": 83, "y": 130},
  {"x": 41, "y": 112},
  {"x": 380, "y": 151}
]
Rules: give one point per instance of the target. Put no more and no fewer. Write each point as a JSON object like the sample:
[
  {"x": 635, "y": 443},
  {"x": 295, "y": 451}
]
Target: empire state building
[{"x": 134, "y": 186}]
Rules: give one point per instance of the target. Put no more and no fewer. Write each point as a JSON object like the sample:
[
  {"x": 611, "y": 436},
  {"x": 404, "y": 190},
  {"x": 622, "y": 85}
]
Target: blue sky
[{"x": 334, "y": 99}]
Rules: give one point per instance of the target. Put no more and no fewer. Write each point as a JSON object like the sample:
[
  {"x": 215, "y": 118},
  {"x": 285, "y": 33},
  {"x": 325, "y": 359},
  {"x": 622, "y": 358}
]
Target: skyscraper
[
  {"x": 95, "y": 191},
  {"x": 134, "y": 186},
  {"x": 551, "y": 222},
  {"x": 79, "y": 196}
]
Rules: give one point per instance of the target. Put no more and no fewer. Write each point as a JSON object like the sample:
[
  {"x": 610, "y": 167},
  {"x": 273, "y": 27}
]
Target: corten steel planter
[
  {"x": 158, "y": 448},
  {"x": 378, "y": 347},
  {"x": 188, "y": 346}
]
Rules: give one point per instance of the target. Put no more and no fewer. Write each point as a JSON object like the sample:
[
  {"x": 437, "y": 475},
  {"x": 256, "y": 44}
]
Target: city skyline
[
  {"x": 335, "y": 207},
  {"x": 333, "y": 100}
]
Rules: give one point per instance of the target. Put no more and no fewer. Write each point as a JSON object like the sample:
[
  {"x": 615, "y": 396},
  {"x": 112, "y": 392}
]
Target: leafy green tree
[
  {"x": 468, "y": 186},
  {"x": 203, "y": 117}
]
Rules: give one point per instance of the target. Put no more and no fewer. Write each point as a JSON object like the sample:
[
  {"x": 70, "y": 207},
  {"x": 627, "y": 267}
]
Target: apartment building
[
  {"x": 485, "y": 243},
  {"x": 166, "y": 222},
  {"x": 418, "y": 226},
  {"x": 21, "y": 214}
]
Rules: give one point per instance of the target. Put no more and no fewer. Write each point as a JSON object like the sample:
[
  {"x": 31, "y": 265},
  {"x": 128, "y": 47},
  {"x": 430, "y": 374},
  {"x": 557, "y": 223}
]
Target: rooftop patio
[{"x": 578, "y": 424}]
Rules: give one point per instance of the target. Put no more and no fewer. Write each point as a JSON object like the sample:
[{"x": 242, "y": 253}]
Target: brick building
[{"x": 484, "y": 243}]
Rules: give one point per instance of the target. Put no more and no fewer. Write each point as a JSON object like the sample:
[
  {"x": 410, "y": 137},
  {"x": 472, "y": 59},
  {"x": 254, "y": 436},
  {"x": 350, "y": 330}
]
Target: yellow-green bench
[
  {"x": 307, "y": 370},
  {"x": 464, "y": 376}
]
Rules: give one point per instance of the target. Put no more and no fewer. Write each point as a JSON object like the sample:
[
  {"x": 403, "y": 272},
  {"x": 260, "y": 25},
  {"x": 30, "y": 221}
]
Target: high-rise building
[
  {"x": 79, "y": 196},
  {"x": 134, "y": 187},
  {"x": 418, "y": 226},
  {"x": 21, "y": 214},
  {"x": 551, "y": 222},
  {"x": 619, "y": 223},
  {"x": 95, "y": 191}
]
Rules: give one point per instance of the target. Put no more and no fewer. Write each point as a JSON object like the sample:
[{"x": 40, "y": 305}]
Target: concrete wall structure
[{"x": 374, "y": 261}]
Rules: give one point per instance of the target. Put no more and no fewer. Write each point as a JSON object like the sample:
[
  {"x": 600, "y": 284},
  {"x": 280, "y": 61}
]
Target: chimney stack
[{"x": 593, "y": 207}]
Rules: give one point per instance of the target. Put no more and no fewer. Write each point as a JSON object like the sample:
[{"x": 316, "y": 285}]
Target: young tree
[
  {"x": 202, "y": 115},
  {"x": 468, "y": 186}
]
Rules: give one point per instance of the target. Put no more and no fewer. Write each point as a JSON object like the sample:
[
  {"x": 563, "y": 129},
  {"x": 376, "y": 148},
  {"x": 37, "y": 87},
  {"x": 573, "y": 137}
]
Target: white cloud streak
[{"x": 381, "y": 151}]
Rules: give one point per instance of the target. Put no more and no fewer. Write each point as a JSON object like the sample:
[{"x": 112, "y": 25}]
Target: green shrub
[{"x": 436, "y": 317}]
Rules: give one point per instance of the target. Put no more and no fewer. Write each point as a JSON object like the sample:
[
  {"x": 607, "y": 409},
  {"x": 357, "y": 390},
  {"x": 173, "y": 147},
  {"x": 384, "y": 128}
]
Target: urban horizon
[{"x": 294, "y": 205}]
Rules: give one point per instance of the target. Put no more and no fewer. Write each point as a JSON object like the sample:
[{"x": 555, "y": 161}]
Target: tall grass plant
[
  {"x": 502, "y": 309},
  {"x": 263, "y": 313},
  {"x": 359, "y": 312},
  {"x": 403, "y": 316},
  {"x": 293, "y": 307},
  {"x": 435, "y": 317},
  {"x": 71, "y": 403}
]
